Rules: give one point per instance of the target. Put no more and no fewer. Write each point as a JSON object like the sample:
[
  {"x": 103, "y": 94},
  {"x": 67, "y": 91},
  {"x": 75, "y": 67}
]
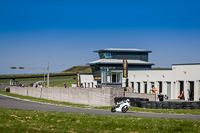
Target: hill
[{"x": 80, "y": 69}]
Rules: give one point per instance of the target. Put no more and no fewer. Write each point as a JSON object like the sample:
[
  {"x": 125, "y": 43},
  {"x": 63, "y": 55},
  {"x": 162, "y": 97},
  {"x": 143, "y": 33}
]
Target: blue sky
[{"x": 66, "y": 33}]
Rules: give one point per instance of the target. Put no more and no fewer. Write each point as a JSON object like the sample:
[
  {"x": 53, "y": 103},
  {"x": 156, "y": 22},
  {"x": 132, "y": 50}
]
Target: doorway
[
  {"x": 160, "y": 87},
  {"x": 138, "y": 87},
  {"x": 145, "y": 87},
  {"x": 181, "y": 86},
  {"x": 114, "y": 77},
  {"x": 192, "y": 89},
  {"x": 169, "y": 90}
]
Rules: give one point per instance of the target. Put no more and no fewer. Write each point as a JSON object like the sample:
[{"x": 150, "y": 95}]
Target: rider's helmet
[{"x": 127, "y": 100}]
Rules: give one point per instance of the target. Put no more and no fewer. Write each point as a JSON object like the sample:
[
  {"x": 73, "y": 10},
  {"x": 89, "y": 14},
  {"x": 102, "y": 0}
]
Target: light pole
[{"x": 43, "y": 68}]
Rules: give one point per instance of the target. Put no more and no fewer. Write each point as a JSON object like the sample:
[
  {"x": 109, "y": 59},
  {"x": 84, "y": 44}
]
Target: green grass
[
  {"x": 133, "y": 109},
  {"x": 61, "y": 83},
  {"x": 23, "y": 78},
  {"x": 167, "y": 111},
  {"x": 23, "y": 121}
]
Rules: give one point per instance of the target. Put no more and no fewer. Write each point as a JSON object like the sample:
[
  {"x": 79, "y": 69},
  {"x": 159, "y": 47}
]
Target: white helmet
[{"x": 128, "y": 100}]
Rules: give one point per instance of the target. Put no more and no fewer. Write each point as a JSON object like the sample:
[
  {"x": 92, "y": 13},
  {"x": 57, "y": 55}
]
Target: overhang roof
[
  {"x": 122, "y": 50},
  {"x": 119, "y": 61}
]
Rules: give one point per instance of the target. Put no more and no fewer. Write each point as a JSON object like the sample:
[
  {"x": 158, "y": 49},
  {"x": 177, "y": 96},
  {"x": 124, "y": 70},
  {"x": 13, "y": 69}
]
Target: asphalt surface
[{"x": 10, "y": 102}]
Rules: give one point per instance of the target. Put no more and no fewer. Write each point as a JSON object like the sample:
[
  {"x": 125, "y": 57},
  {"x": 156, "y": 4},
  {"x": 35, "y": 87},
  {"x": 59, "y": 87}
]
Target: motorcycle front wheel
[{"x": 113, "y": 109}]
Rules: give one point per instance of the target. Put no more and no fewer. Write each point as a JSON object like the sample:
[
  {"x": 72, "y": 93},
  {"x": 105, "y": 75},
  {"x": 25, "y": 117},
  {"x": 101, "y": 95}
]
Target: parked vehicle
[{"x": 122, "y": 106}]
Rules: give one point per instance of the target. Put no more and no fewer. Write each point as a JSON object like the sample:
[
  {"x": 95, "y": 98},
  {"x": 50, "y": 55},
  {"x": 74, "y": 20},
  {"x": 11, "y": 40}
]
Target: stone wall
[{"x": 88, "y": 96}]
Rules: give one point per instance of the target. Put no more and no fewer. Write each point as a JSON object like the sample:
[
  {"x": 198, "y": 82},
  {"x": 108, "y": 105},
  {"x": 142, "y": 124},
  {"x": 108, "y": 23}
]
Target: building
[{"x": 107, "y": 72}]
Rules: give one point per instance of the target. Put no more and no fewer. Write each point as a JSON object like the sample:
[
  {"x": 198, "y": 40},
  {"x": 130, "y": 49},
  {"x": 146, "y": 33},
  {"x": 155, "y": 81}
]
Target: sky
[{"x": 65, "y": 33}]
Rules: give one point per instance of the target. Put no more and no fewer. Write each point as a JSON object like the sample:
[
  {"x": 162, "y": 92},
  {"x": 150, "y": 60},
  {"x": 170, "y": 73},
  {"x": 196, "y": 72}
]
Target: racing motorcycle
[{"x": 122, "y": 106}]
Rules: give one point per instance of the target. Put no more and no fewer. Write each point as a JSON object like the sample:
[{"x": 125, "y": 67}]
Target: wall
[
  {"x": 88, "y": 81},
  {"x": 169, "y": 78},
  {"x": 151, "y": 97},
  {"x": 88, "y": 96},
  {"x": 187, "y": 73},
  {"x": 151, "y": 78}
]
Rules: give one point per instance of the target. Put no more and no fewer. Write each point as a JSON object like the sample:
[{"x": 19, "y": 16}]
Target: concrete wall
[
  {"x": 88, "y": 96},
  {"x": 151, "y": 97}
]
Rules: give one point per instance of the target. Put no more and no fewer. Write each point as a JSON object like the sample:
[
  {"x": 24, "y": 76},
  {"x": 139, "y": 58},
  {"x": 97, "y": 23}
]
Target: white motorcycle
[{"x": 122, "y": 106}]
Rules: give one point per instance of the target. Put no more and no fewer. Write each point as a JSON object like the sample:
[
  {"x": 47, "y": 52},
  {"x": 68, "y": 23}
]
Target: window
[
  {"x": 152, "y": 84},
  {"x": 107, "y": 55}
]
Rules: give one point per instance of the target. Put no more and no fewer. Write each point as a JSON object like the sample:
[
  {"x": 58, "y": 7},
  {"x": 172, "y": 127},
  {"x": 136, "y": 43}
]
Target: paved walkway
[{"x": 14, "y": 103}]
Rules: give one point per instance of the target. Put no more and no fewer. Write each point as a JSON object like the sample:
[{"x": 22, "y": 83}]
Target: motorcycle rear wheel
[{"x": 124, "y": 109}]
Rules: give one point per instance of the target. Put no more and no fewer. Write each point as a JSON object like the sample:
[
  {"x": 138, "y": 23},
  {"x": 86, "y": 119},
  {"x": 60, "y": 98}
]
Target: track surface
[{"x": 9, "y": 102}]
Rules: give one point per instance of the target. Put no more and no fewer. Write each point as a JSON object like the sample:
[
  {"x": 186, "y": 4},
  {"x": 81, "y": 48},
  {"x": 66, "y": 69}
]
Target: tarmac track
[{"x": 14, "y": 103}]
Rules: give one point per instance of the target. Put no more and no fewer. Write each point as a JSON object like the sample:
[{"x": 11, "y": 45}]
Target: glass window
[
  {"x": 119, "y": 78},
  {"x": 107, "y": 55}
]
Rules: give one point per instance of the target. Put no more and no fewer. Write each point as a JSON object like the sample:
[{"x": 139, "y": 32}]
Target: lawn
[
  {"x": 23, "y": 121},
  {"x": 61, "y": 83}
]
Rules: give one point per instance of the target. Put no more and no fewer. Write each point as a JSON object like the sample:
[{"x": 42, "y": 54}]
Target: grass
[
  {"x": 22, "y": 79},
  {"x": 167, "y": 111},
  {"x": 133, "y": 109},
  {"x": 61, "y": 83},
  {"x": 23, "y": 121}
]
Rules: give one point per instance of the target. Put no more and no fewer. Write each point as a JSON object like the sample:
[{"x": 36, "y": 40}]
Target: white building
[{"x": 170, "y": 82}]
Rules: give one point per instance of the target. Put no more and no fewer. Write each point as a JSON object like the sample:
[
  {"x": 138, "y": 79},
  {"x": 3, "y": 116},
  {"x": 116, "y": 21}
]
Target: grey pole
[
  {"x": 48, "y": 75},
  {"x": 44, "y": 77}
]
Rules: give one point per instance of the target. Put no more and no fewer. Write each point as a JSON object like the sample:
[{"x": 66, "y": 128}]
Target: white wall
[
  {"x": 185, "y": 73},
  {"x": 188, "y": 73},
  {"x": 149, "y": 76},
  {"x": 88, "y": 80}
]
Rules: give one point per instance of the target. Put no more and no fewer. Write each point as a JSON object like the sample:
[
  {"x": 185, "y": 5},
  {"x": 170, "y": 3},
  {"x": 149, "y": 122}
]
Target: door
[
  {"x": 138, "y": 87},
  {"x": 169, "y": 90},
  {"x": 145, "y": 87},
  {"x": 113, "y": 77},
  {"x": 192, "y": 90},
  {"x": 160, "y": 87},
  {"x": 181, "y": 86}
]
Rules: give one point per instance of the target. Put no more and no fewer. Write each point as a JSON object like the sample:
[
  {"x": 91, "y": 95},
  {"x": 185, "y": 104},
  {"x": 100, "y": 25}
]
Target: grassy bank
[
  {"x": 61, "y": 83},
  {"x": 134, "y": 109},
  {"x": 22, "y": 121}
]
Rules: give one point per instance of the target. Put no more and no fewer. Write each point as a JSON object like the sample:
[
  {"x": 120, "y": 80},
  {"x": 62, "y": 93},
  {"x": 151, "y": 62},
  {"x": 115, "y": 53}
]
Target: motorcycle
[{"x": 122, "y": 106}]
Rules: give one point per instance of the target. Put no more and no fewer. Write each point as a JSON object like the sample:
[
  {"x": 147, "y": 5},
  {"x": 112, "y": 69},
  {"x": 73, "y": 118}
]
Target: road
[{"x": 10, "y": 102}]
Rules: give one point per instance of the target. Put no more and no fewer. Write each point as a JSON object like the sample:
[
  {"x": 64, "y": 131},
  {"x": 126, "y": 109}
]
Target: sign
[
  {"x": 125, "y": 68},
  {"x": 78, "y": 79},
  {"x": 97, "y": 78}
]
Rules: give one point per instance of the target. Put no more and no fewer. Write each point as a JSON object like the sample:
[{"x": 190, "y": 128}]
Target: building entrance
[
  {"x": 113, "y": 77},
  {"x": 192, "y": 90},
  {"x": 169, "y": 90},
  {"x": 160, "y": 87},
  {"x": 145, "y": 87},
  {"x": 181, "y": 86}
]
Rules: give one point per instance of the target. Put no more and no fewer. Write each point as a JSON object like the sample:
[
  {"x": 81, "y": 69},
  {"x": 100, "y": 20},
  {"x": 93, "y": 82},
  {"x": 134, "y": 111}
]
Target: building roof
[
  {"x": 122, "y": 50},
  {"x": 119, "y": 61},
  {"x": 186, "y": 64}
]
